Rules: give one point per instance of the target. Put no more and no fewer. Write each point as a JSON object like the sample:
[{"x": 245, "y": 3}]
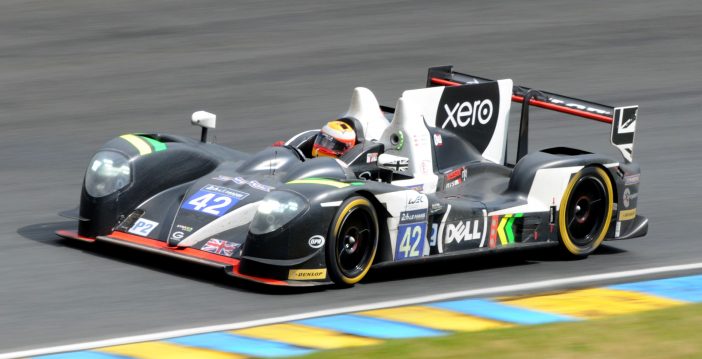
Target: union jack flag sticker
[{"x": 218, "y": 246}]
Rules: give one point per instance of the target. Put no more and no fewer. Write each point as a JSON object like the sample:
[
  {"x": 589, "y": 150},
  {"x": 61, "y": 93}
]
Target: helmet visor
[{"x": 330, "y": 145}]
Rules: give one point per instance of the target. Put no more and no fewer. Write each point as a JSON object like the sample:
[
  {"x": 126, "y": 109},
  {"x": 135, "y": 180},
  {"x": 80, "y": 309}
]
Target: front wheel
[
  {"x": 353, "y": 241},
  {"x": 585, "y": 212}
]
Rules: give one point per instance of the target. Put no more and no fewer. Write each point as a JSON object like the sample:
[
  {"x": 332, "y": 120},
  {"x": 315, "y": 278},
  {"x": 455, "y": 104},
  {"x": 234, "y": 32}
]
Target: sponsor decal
[
  {"x": 307, "y": 274},
  {"x": 578, "y": 106},
  {"x": 316, "y": 241},
  {"x": 465, "y": 113},
  {"x": 438, "y": 141},
  {"x": 260, "y": 186},
  {"x": 505, "y": 229},
  {"x": 493, "y": 231},
  {"x": 632, "y": 180},
  {"x": 224, "y": 178},
  {"x": 453, "y": 183},
  {"x": 416, "y": 187},
  {"x": 221, "y": 247},
  {"x": 183, "y": 228},
  {"x": 454, "y": 174},
  {"x": 627, "y": 196},
  {"x": 415, "y": 200},
  {"x": 372, "y": 157},
  {"x": 470, "y": 112},
  {"x": 213, "y": 200},
  {"x": 623, "y": 128},
  {"x": 628, "y": 214},
  {"x": 177, "y": 235},
  {"x": 461, "y": 231},
  {"x": 419, "y": 215},
  {"x": 617, "y": 229},
  {"x": 461, "y": 173},
  {"x": 241, "y": 181},
  {"x": 143, "y": 227},
  {"x": 225, "y": 190},
  {"x": 436, "y": 207}
]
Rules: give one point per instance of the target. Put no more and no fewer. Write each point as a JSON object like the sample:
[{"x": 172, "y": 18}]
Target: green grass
[{"x": 667, "y": 333}]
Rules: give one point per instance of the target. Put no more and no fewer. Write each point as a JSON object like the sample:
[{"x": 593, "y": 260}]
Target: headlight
[
  {"x": 276, "y": 209},
  {"x": 108, "y": 172}
]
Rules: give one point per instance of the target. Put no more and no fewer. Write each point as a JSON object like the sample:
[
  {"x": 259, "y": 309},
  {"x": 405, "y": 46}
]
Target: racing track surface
[{"x": 75, "y": 73}]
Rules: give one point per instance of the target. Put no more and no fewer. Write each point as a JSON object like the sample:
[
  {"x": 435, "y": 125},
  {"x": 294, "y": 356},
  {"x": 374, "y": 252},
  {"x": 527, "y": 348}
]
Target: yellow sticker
[
  {"x": 307, "y": 274},
  {"x": 627, "y": 214}
]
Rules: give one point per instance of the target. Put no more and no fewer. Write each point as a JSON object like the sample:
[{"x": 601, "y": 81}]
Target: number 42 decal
[
  {"x": 411, "y": 240},
  {"x": 210, "y": 203}
]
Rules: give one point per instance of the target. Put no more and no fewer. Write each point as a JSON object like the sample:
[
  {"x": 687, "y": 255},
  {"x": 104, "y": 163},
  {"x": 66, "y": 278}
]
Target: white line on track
[{"x": 544, "y": 284}]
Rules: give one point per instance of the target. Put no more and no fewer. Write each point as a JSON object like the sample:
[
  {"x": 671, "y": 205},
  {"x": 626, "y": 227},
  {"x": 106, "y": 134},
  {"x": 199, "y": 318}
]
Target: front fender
[
  {"x": 152, "y": 171},
  {"x": 295, "y": 250}
]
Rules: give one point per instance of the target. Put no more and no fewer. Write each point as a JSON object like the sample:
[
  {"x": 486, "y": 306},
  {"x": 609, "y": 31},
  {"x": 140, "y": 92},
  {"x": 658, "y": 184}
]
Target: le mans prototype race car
[{"x": 427, "y": 179}]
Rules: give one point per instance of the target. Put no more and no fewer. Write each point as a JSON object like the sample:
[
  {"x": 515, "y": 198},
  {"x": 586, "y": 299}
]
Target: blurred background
[{"x": 75, "y": 73}]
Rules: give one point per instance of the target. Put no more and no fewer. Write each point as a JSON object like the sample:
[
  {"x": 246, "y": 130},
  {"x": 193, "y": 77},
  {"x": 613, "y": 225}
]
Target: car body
[{"x": 427, "y": 179}]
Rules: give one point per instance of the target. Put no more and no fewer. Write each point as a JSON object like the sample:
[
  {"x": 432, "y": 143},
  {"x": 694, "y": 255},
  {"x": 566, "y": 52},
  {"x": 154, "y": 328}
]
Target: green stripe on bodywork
[
  {"x": 325, "y": 181},
  {"x": 157, "y": 145}
]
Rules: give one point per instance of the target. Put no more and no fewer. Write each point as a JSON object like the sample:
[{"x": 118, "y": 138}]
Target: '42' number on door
[{"x": 411, "y": 240}]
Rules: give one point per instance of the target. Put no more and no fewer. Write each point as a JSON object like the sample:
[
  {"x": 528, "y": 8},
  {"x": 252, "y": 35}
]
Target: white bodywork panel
[
  {"x": 409, "y": 125},
  {"x": 238, "y": 217},
  {"x": 365, "y": 108},
  {"x": 398, "y": 202},
  {"x": 546, "y": 190}
]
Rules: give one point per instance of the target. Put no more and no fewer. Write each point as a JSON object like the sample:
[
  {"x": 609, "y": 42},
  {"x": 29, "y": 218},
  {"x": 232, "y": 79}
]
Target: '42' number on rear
[
  {"x": 411, "y": 238},
  {"x": 210, "y": 203}
]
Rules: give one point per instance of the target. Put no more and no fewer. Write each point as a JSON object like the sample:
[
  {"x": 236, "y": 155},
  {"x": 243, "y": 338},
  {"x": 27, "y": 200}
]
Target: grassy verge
[{"x": 667, "y": 333}]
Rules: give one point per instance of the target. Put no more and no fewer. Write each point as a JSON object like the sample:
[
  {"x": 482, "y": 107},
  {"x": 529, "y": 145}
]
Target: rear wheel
[
  {"x": 586, "y": 212},
  {"x": 353, "y": 241}
]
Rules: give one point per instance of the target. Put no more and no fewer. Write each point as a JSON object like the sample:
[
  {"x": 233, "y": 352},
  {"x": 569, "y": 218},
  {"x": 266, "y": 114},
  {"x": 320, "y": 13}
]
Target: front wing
[{"x": 229, "y": 265}]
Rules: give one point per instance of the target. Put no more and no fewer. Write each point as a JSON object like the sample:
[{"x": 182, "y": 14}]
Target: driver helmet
[{"x": 335, "y": 139}]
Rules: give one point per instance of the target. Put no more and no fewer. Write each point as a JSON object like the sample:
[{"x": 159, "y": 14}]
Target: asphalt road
[{"x": 76, "y": 73}]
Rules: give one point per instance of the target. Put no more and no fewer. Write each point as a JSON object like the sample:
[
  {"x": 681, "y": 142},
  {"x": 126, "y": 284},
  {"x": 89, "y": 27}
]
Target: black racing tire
[
  {"x": 353, "y": 241},
  {"x": 585, "y": 212}
]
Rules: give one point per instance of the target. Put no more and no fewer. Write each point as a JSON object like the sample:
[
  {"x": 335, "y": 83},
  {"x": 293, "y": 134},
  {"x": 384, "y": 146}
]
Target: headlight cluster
[
  {"x": 107, "y": 173},
  {"x": 277, "y": 209}
]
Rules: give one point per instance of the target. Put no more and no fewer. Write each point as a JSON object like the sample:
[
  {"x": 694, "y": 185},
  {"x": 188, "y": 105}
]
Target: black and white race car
[{"x": 427, "y": 179}]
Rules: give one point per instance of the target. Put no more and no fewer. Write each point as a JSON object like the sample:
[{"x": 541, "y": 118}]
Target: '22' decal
[
  {"x": 212, "y": 203},
  {"x": 411, "y": 240}
]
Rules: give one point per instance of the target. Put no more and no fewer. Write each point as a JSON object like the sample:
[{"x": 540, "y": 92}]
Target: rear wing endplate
[{"x": 622, "y": 119}]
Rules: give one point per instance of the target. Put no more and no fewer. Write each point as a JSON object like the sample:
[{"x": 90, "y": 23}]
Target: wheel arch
[
  {"x": 568, "y": 247},
  {"x": 384, "y": 252}
]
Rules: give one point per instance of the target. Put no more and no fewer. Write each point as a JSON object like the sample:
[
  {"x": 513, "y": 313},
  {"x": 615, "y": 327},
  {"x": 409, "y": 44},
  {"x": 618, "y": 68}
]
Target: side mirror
[
  {"x": 392, "y": 162},
  {"x": 205, "y": 120}
]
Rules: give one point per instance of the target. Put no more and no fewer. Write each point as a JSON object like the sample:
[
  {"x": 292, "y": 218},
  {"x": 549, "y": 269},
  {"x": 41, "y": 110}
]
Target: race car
[{"x": 426, "y": 179}]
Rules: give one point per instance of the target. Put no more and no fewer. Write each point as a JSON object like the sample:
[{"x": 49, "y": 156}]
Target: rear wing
[{"x": 622, "y": 119}]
